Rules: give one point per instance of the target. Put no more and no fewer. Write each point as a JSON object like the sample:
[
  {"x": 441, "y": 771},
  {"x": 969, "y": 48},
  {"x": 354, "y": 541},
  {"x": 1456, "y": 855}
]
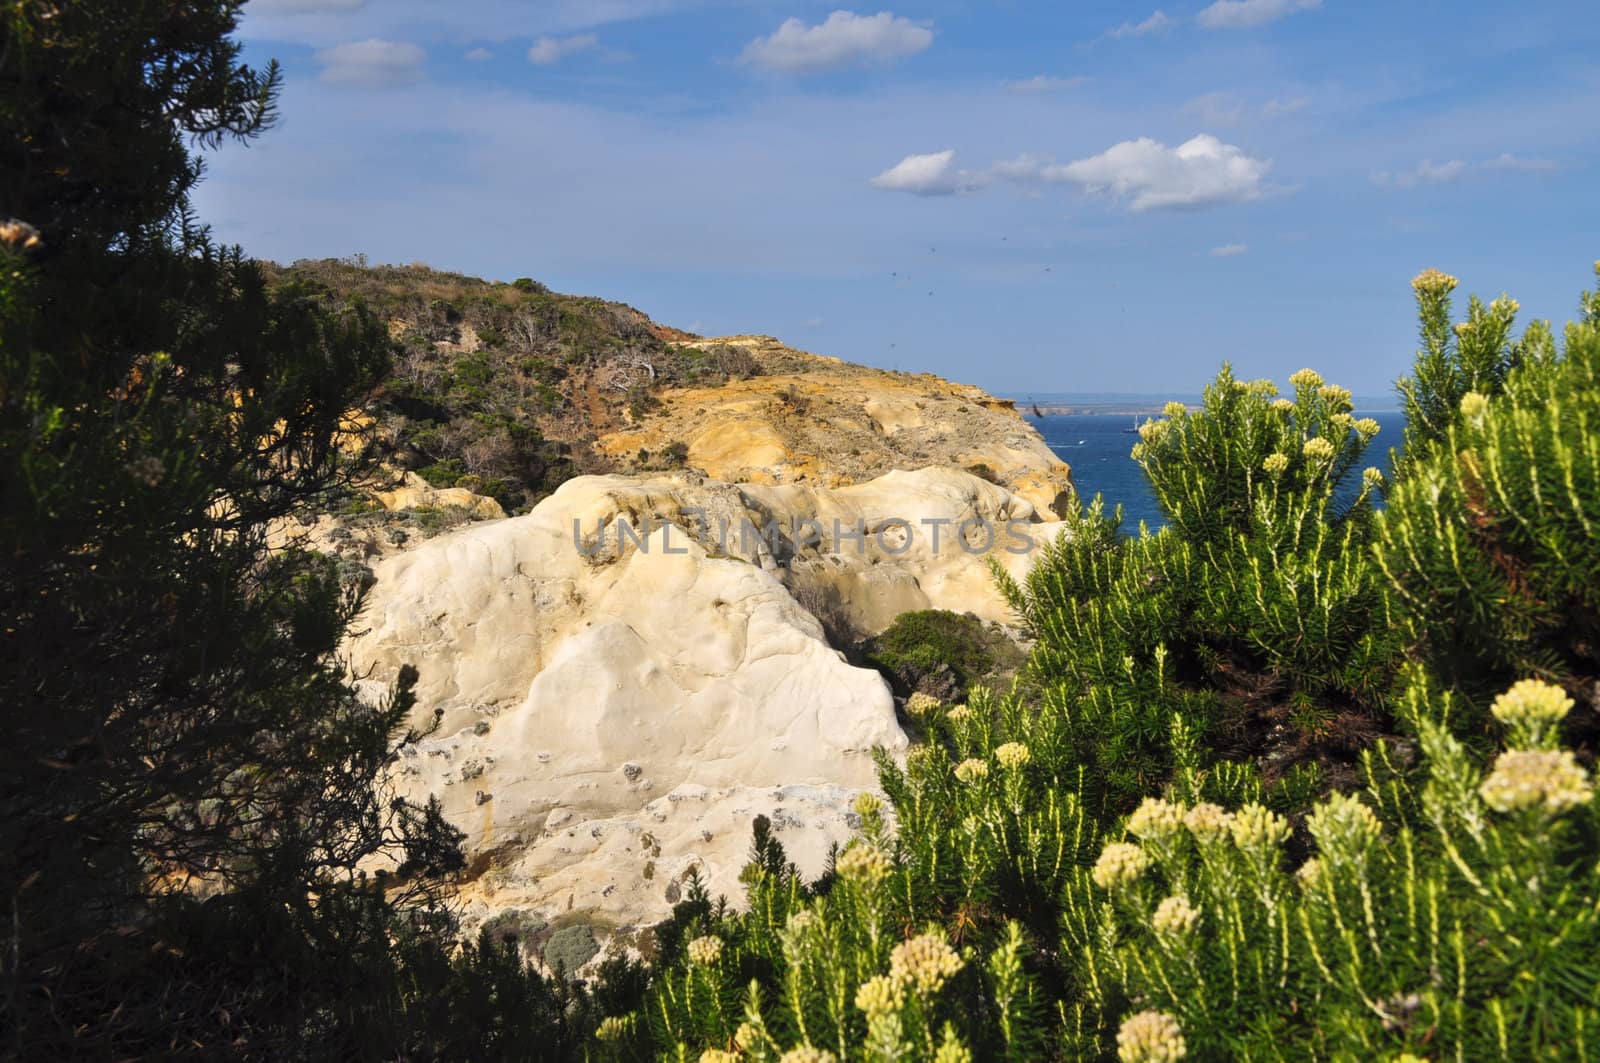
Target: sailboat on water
[{"x": 1135, "y": 429}]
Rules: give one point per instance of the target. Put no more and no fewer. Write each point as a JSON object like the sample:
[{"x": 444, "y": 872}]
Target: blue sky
[{"x": 1031, "y": 196}]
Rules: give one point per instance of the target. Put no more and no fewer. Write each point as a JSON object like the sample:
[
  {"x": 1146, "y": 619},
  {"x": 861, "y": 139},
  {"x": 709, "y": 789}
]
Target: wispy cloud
[
  {"x": 843, "y": 39},
  {"x": 1244, "y": 14},
  {"x": 1044, "y": 83},
  {"x": 1158, "y": 22},
  {"x": 1276, "y": 107},
  {"x": 479, "y": 55},
  {"x": 372, "y": 63},
  {"x": 1216, "y": 109},
  {"x": 549, "y": 50},
  {"x": 1228, "y": 250},
  {"x": 929, "y": 175},
  {"x": 1429, "y": 172}
]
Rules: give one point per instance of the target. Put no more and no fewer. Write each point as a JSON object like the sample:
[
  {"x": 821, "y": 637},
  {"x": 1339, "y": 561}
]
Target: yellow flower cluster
[
  {"x": 1371, "y": 478},
  {"x": 1306, "y": 378},
  {"x": 959, "y": 712},
  {"x": 866, "y": 805},
  {"x": 920, "y": 704},
  {"x": 1174, "y": 409},
  {"x": 1505, "y": 305},
  {"x": 864, "y": 864},
  {"x": 1431, "y": 280},
  {"x": 1276, "y": 463},
  {"x": 1283, "y": 405},
  {"x": 1120, "y": 863},
  {"x": 706, "y": 950},
  {"x": 615, "y": 1028},
  {"x": 1309, "y": 872},
  {"x": 1256, "y": 827},
  {"x": 1474, "y": 406},
  {"x": 1151, "y": 1037},
  {"x": 880, "y": 995},
  {"x": 952, "y": 1050},
  {"x": 1154, "y": 431},
  {"x": 1528, "y": 778},
  {"x": 971, "y": 770},
  {"x": 807, "y": 1054},
  {"x": 924, "y": 963},
  {"x": 1343, "y": 822},
  {"x": 1532, "y": 701},
  {"x": 801, "y": 921},
  {"x": 1156, "y": 819},
  {"x": 1175, "y": 917},
  {"x": 1012, "y": 755},
  {"x": 746, "y": 1036},
  {"x": 1208, "y": 822},
  {"x": 1335, "y": 396},
  {"x": 1318, "y": 449},
  {"x": 717, "y": 1055}
]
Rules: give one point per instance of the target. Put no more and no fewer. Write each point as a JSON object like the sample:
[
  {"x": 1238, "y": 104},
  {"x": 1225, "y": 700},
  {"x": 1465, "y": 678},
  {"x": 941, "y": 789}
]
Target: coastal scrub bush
[
  {"x": 1489, "y": 538},
  {"x": 1257, "y": 615},
  {"x": 936, "y": 652}
]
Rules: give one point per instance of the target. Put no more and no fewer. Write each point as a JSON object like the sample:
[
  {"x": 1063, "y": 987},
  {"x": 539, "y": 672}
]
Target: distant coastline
[{"x": 1117, "y": 404}]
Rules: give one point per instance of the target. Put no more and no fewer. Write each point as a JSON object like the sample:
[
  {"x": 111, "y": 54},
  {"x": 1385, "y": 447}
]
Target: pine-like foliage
[
  {"x": 1257, "y": 615},
  {"x": 1490, "y": 534},
  {"x": 1447, "y": 915}
]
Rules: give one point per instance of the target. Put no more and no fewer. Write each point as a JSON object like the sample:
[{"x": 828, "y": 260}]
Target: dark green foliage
[
  {"x": 1256, "y": 616},
  {"x": 937, "y": 652},
  {"x": 189, "y": 783},
  {"x": 1489, "y": 535}
]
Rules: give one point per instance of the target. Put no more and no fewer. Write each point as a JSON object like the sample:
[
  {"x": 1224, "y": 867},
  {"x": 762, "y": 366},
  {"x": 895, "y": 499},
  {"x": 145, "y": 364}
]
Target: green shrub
[
  {"x": 936, "y": 652},
  {"x": 1257, "y": 614},
  {"x": 1489, "y": 535}
]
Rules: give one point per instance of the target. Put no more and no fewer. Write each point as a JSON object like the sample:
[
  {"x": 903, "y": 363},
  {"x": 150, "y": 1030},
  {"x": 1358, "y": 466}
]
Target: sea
[{"x": 1096, "y": 444}]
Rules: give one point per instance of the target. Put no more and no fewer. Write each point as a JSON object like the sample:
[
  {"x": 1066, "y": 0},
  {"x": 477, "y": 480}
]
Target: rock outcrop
[
  {"x": 813, "y": 419},
  {"x": 625, "y": 679}
]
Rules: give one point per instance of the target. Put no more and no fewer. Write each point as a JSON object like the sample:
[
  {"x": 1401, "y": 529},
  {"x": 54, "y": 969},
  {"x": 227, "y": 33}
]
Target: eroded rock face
[
  {"x": 813, "y": 419},
  {"x": 613, "y": 716}
]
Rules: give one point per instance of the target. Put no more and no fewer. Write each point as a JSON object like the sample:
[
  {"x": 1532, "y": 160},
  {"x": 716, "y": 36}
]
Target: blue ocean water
[{"x": 1096, "y": 445}]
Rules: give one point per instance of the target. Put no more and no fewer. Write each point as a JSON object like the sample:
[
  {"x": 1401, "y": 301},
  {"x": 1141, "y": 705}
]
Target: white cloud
[
  {"x": 845, "y": 38},
  {"x": 548, "y": 50},
  {"x": 1156, "y": 23},
  {"x": 479, "y": 55},
  {"x": 929, "y": 175},
  {"x": 1243, "y": 14},
  {"x": 372, "y": 62},
  {"x": 1229, "y": 250},
  {"x": 1044, "y": 83},
  {"x": 1151, "y": 176},
  {"x": 306, "y": 7}
]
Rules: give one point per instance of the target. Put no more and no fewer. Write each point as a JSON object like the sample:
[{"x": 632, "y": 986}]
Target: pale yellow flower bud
[
  {"x": 880, "y": 996},
  {"x": 920, "y": 704},
  {"x": 705, "y": 951},
  {"x": 1256, "y": 828},
  {"x": 864, "y": 864},
  {"x": 1306, "y": 378},
  {"x": 1371, "y": 478},
  {"x": 1276, "y": 463},
  {"x": 1318, "y": 449},
  {"x": 1335, "y": 396},
  {"x": 1343, "y": 823},
  {"x": 972, "y": 770},
  {"x": 959, "y": 714},
  {"x": 1175, "y": 917},
  {"x": 1120, "y": 863},
  {"x": 1156, "y": 819},
  {"x": 807, "y": 1054},
  {"x": 1012, "y": 755},
  {"x": 1532, "y": 701},
  {"x": 951, "y": 1050},
  {"x": 1208, "y": 822},
  {"x": 1154, "y": 431},
  {"x": 1525, "y": 779},
  {"x": 746, "y": 1036},
  {"x": 1368, "y": 427},
  {"x": 1174, "y": 410},
  {"x": 866, "y": 805},
  {"x": 1474, "y": 406},
  {"x": 1431, "y": 280},
  {"x": 924, "y": 963},
  {"x": 1283, "y": 405},
  {"x": 1151, "y": 1037}
]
